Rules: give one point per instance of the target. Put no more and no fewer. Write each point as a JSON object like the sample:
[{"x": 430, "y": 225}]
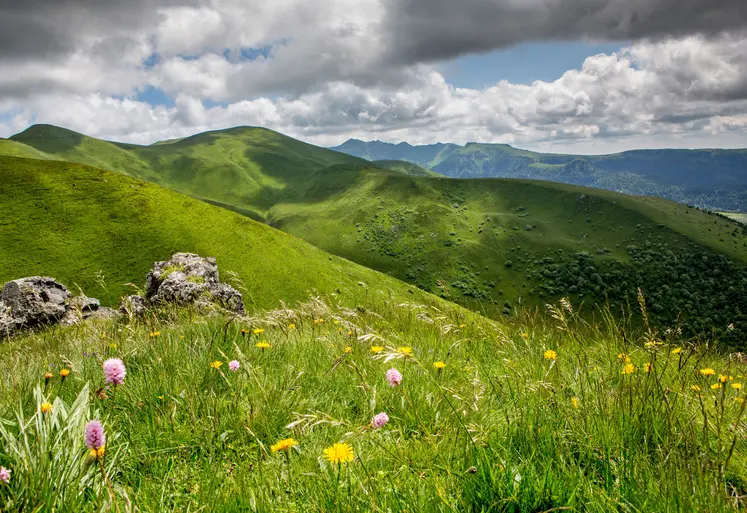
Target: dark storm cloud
[
  {"x": 431, "y": 30},
  {"x": 31, "y": 29}
]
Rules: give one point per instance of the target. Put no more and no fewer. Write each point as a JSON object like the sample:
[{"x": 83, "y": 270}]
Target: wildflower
[
  {"x": 716, "y": 386},
  {"x": 730, "y": 327},
  {"x": 160, "y": 398},
  {"x": 4, "y": 475},
  {"x": 64, "y": 373},
  {"x": 113, "y": 346},
  {"x": 350, "y": 333},
  {"x": 46, "y": 407},
  {"x": 462, "y": 326},
  {"x": 439, "y": 365},
  {"x": 339, "y": 330},
  {"x": 244, "y": 332},
  {"x": 647, "y": 367},
  {"x": 335, "y": 322},
  {"x": 348, "y": 349},
  {"x": 393, "y": 377},
  {"x": 263, "y": 345},
  {"x": 95, "y": 438},
  {"x": 339, "y": 453},
  {"x": 677, "y": 350},
  {"x": 379, "y": 420},
  {"x": 216, "y": 364},
  {"x": 283, "y": 445},
  {"x": 695, "y": 388},
  {"x": 377, "y": 349},
  {"x": 524, "y": 335},
  {"x": 114, "y": 371},
  {"x": 707, "y": 372},
  {"x": 154, "y": 334},
  {"x": 628, "y": 369},
  {"x": 258, "y": 331},
  {"x": 575, "y": 402},
  {"x": 623, "y": 357},
  {"x": 47, "y": 376},
  {"x": 736, "y": 386},
  {"x": 722, "y": 378},
  {"x": 234, "y": 365},
  {"x": 291, "y": 326},
  {"x": 405, "y": 350},
  {"x": 550, "y": 355}
]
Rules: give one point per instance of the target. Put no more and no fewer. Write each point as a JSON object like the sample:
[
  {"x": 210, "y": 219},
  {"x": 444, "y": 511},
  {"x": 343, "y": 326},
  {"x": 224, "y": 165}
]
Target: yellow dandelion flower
[
  {"x": 695, "y": 388},
  {"x": 462, "y": 326},
  {"x": 647, "y": 367},
  {"x": 216, "y": 364},
  {"x": 46, "y": 407},
  {"x": 263, "y": 345},
  {"x": 348, "y": 349},
  {"x": 65, "y": 373},
  {"x": 736, "y": 386},
  {"x": 114, "y": 346},
  {"x": 576, "y": 402},
  {"x": 283, "y": 445},
  {"x": 623, "y": 358},
  {"x": 716, "y": 386},
  {"x": 154, "y": 334},
  {"x": 524, "y": 335},
  {"x": 722, "y": 378},
  {"x": 707, "y": 372},
  {"x": 291, "y": 326},
  {"x": 350, "y": 333},
  {"x": 550, "y": 355},
  {"x": 339, "y": 330},
  {"x": 339, "y": 453},
  {"x": 439, "y": 365},
  {"x": 258, "y": 331},
  {"x": 739, "y": 399},
  {"x": 628, "y": 369},
  {"x": 47, "y": 376},
  {"x": 405, "y": 350},
  {"x": 160, "y": 398},
  {"x": 377, "y": 349},
  {"x": 244, "y": 332},
  {"x": 336, "y": 322},
  {"x": 677, "y": 350}
]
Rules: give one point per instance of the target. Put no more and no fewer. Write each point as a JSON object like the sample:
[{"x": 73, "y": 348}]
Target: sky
[{"x": 575, "y": 76}]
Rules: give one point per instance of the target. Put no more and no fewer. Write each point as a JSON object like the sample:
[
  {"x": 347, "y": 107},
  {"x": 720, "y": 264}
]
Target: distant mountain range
[{"x": 714, "y": 179}]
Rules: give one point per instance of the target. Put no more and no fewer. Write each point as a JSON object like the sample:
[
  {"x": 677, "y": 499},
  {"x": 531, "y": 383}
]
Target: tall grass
[{"x": 505, "y": 426}]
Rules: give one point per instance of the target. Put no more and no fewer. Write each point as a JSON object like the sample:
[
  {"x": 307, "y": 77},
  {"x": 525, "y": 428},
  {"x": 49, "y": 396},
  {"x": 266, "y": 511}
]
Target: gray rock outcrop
[
  {"x": 190, "y": 279},
  {"x": 40, "y": 300}
]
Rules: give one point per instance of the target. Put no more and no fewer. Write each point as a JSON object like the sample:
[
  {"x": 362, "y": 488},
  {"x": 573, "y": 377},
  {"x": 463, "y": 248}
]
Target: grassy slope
[
  {"x": 71, "y": 221},
  {"x": 469, "y": 240},
  {"x": 742, "y": 218},
  {"x": 406, "y": 168},
  {"x": 500, "y": 429}
]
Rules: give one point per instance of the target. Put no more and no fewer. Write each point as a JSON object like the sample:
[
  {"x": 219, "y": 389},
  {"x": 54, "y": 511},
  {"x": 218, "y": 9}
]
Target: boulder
[
  {"x": 190, "y": 279},
  {"x": 133, "y": 306},
  {"x": 34, "y": 301}
]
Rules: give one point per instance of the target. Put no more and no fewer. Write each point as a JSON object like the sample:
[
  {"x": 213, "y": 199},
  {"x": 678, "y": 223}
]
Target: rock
[
  {"x": 34, "y": 301},
  {"x": 133, "y": 306},
  {"x": 190, "y": 279},
  {"x": 80, "y": 308}
]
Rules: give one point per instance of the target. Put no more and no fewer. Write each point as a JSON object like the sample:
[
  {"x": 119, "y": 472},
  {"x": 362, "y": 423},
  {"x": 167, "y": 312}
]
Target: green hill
[
  {"x": 491, "y": 244},
  {"x": 407, "y": 168},
  {"x": 73, "y": 222},
  {"x": 715, "y": 179}
]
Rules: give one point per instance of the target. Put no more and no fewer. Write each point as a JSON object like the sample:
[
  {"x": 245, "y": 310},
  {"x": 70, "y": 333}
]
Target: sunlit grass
[{"x": 529, "y": 417}]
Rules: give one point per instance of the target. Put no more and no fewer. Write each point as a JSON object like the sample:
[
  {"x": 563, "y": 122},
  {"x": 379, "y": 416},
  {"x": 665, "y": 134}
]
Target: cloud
[
  {"x": 431, "y": 30},
  {"x": 688, "y": 92}
]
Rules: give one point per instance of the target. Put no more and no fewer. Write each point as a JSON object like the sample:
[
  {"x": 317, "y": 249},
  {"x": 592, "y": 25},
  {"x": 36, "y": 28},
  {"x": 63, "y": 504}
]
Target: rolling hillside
[
  {"x": 714, "y": 179},
  {"x": 73, "y": 222},
  {"x": 491, "y": 244}
]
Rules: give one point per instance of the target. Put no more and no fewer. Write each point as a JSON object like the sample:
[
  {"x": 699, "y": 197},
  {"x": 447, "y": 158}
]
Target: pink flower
[
  {"x": 4, "y": 475},
  {"x": 95, "y": 437},
  {"x": 379, "y": 420},
  {"x": 114, "y": 370},
  {"x": 393, "y": 377},
  {"x": 234, "y": 365}
]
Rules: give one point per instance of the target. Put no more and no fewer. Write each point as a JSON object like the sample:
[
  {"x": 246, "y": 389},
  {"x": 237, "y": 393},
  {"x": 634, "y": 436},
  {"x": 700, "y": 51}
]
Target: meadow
[{"x": 218, "y": 413}]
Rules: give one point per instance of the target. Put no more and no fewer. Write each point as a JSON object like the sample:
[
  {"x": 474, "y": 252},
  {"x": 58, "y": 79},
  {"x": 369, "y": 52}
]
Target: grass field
[
  {"x": 542, "y": 414},
  {"x": 99, "y": 231}
]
